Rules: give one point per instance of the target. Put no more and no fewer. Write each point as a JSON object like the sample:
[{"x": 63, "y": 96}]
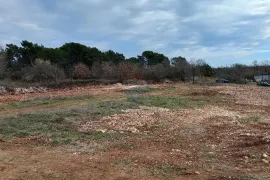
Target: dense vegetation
[{"x": 32, "y": 62}]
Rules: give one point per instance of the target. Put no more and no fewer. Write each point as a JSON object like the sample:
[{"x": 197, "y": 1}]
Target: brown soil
[{"x": 210, "y": 142}]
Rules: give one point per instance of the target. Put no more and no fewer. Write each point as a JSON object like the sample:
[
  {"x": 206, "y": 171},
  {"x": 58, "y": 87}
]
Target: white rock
[
  {"x": 3, "y": 90},
  {"x": 265, "y": 155},
  {"x": 102, "y": 130},
  {"x": 176, "y": 150},
  {"x": 134, "y": 130},
  {"x": 118, "y": 85},
  {"x": 265, "y": 161}
]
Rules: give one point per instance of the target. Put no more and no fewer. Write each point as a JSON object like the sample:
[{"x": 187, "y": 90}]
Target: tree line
[
  {"x": 34, "y": 62},
  {"x": 239, "y": 73}
]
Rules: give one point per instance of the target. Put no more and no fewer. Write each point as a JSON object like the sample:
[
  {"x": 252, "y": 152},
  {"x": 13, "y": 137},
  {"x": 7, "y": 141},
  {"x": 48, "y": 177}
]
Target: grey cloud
[{"x": 208, "y": 27}]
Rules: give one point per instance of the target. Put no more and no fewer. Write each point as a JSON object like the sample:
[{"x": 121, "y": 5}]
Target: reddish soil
[{"x": 213, "y": 142}]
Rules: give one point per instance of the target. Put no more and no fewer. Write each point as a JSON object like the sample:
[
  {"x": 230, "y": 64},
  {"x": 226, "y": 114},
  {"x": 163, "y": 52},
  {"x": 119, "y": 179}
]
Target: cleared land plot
[{"x": 177, "y": 131}]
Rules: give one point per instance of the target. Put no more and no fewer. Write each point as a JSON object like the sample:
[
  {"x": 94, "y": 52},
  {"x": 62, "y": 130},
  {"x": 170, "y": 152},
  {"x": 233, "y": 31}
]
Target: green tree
[
  {"x": 94, "y": 56},
  {"x": 3, "y": 63},
  {"x": 114, "y": 57},
  {"x": 206, "y": 70},
  {"x": 29, "y": 52},
  {"x": 153, "y": 58},
  {"x": 142, "y": 61},
  {"x": 182, "y": 68},
  {"x": 178, "y": 60},
  {"x": 25, "y": 55},
  {"x": 55, "y": 55},
  {"x": 74, "y": 53},
  {"x": 133, "y": 60},
  {"x": 14, "y": 56}
]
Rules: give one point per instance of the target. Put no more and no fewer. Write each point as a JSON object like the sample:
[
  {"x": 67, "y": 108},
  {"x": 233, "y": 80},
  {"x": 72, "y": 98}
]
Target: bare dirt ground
[{"x": 227, "y": 137}]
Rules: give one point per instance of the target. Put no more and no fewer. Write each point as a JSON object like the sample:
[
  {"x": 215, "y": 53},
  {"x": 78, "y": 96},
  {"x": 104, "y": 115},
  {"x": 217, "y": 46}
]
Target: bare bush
[
  {"x": 109, "y": 70},
  {"x": 81, "y": 71},
  {"x": 16, "y": 75},
  {"x": 160, "y": 71},
  {"x": 156, "y": 73},
  {"x": 127, "y": 71},
  {"x": 43, "y": 71},
  {"x": 96, "y": 70}
]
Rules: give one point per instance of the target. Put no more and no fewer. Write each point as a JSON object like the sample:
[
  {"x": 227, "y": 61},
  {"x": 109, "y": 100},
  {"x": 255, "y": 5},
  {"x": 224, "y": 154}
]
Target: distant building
[{"x": 262, "y": 77}]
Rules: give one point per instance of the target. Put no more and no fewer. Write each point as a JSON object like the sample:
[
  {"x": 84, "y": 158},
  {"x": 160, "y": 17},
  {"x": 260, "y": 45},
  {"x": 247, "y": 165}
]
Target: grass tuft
[
  {"x": 143, "y": 90},
  {"x": 140, "y": 90},
  {"x": 43, "y": 101},
  {"x": 62, "y": 126},
  {"x": 250, "y": 119},
  {"x": 166, "y": 169},
  {"x": 171, "y": 102}
]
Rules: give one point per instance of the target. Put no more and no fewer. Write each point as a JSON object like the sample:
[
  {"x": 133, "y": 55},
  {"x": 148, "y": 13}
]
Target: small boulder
[
  {"x": 3, "y": 90},
  {"x": 167, "y": 81},
  {"x": 141, "y": 82},
  {"x": 118, "y": 85},
  {"x": 265, "y": 155}
]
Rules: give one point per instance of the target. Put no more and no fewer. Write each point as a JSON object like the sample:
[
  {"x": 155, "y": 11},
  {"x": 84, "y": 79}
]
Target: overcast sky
[{"x": 220, "y": 31}]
